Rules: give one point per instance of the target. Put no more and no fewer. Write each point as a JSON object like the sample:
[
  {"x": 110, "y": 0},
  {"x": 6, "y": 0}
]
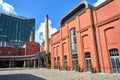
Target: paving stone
[{"x": 51, "y": 74}]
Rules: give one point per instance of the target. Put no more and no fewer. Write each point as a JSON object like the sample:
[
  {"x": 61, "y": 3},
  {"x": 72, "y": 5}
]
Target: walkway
[{"x": 50, "y": 74}]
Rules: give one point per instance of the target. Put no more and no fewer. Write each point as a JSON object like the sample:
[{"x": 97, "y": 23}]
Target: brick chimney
[
  {"x": 31, "y": 37},
  {"x": 46, "y": 34}
]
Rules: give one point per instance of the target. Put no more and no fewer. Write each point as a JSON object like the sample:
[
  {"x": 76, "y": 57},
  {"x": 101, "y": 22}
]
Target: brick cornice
[
  {"x": 56, "y": 42},
  {"x": 109, "y": 20},
  {"x": 63, "y": 38},
  {"x": 103, "y": 4},
  {"x": 85, "y": 29}
]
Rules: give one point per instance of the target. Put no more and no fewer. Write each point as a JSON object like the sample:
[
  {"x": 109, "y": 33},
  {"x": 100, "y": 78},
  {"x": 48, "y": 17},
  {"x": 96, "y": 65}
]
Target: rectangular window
[
  {"x": 9, "y": 52},
  {"x": 73, "y": 40},
  {"x": 54, "y": 59},
  {"x": 0, "y": 51}
]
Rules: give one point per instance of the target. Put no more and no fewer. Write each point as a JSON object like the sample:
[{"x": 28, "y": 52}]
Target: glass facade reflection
[{"x": 15, "y": 30}]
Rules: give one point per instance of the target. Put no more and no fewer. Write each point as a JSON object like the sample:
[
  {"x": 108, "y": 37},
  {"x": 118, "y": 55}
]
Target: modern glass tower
[{"x": 15, "y": 30}]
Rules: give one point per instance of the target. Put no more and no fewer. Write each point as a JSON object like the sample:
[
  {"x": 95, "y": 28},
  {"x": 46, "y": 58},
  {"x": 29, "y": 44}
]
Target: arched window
[
  {"x": 65, "y": 58},
  {"x": 74, "y": 48},
  {"x": 54, "y": 59},
  {"x": 113, "y": 52},
  {"x": 73, "y": 40},
  {"x": 87, "y": 55},
  {"x": 88, "y": 61},
  {"x": 114, "y": 60}
]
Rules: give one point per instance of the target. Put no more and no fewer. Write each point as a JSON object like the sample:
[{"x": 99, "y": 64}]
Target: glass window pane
[
  {"x": 0, "y": 51},
  {"x": 73, "y": 40},
  {"x": 9, "y": 52}
]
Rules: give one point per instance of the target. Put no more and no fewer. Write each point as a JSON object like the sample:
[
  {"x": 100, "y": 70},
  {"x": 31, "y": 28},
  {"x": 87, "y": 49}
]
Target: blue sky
[{"x": 37, "y": 9}]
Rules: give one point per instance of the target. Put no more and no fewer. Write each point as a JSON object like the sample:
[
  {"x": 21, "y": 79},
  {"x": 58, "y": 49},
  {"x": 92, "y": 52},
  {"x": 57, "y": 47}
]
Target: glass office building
[{"x": 15, "y": 30}]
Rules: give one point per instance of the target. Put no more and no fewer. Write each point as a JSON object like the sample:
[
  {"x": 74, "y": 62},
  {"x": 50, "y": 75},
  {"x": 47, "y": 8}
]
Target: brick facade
[
  {"x": 30, "y": 48},
  {"x": 12, "y": 51},
  {"x": 97, "y": 32}
]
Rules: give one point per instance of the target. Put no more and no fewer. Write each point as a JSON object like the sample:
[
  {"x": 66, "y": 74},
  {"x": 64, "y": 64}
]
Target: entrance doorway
[
  {"x": 65, "y": 63},
  {"x": 115, "y": 61},
  {"x": 58, "y": 64},
  {"x": 74, "y": 61},
  {"x": 88, "y": 61}
]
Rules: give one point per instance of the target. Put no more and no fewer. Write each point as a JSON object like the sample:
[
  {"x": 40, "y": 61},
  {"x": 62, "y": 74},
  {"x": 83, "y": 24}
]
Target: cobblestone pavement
[{"x": 50, "y": 74}]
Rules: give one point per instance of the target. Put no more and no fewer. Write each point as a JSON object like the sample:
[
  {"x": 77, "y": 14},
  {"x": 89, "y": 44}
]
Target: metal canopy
[{"x": 26, "y": 57}]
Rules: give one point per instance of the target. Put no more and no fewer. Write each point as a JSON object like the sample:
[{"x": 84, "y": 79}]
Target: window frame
[
  {"x": 8, "y": 52},
  {"x": 0, "y": 52},
  {"x": 73, "y": 41}
]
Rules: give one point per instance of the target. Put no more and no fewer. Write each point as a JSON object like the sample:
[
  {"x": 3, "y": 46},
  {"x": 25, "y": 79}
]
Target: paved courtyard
[{"x": 50, "y": 74}]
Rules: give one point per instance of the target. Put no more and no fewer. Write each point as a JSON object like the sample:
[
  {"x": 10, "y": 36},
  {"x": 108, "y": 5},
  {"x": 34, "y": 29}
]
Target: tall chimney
[
  {"x": 46, "y": 33},
  {"x": 31, "y": 37}
]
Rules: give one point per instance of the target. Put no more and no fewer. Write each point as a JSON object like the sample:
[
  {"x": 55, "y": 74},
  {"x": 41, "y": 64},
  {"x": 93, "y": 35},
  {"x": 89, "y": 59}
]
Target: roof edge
[{"x": 82, "y": 6}]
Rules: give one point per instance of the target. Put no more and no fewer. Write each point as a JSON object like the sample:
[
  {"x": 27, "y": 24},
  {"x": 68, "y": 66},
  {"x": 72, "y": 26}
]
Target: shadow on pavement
[{"x": 20, "y": 77}]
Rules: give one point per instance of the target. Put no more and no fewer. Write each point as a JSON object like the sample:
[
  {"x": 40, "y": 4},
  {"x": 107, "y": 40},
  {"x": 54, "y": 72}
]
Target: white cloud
[
  {"x": 6, "y": 8},
  {"x": 99, "y": 2},
  {"x": 39, "y": 34}
]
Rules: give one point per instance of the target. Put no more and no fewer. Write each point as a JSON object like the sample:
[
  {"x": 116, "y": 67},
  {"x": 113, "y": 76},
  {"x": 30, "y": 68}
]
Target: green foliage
[
  {"x": 58, "y": 64},
  {"x": 65, "y": 64},
  {"x": 47, "y": 65},
  {"x": 78, "y": 65},
  {"x": 29, "y": 64},
  {"x": 90, "y": 64}
]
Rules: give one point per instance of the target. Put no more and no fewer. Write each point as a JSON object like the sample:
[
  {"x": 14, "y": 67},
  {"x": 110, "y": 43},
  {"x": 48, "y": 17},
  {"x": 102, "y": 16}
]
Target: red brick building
[
  {"x": 30, "y": 48},
  {"x": 107, "y": 23},
  {"x": 11, "y": 51},
  {"x": 89, "y": 38}
]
